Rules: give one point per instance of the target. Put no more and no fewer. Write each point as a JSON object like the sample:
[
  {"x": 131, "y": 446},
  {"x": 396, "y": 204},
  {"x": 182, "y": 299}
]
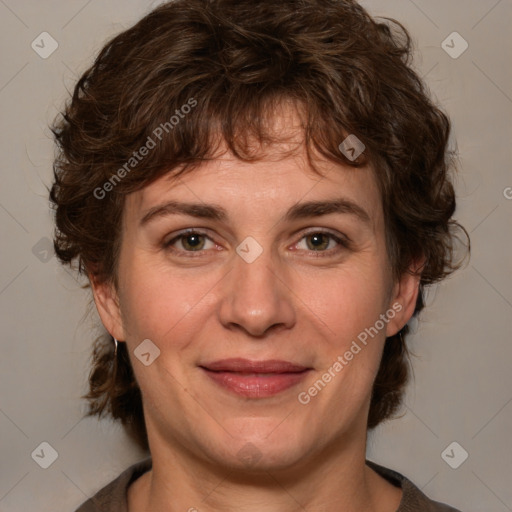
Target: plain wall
[{"x": 462, "y": 387}]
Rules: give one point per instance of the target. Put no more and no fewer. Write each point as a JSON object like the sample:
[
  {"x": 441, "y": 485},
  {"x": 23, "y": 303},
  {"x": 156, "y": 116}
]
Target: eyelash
[{"x": 343, "y": 243}]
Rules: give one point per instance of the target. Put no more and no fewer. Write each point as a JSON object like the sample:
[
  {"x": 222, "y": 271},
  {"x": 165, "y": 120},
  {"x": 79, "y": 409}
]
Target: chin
[{"x": 259, "y": 449}]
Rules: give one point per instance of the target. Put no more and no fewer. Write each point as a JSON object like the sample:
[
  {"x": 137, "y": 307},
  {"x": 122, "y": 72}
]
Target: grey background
[{"x": 462, "y": 380}]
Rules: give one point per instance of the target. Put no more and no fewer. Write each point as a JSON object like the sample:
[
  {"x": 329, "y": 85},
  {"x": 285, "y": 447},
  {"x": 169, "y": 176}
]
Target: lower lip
[{"x": 256, "y": 385}]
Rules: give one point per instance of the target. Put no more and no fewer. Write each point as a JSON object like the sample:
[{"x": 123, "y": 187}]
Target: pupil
[
  {"x": 316, "y": 240},
  {"x": 193, "y": 237}
]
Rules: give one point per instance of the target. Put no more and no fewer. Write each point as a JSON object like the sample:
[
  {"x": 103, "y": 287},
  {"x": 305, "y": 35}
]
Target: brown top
[{"x": 113, "y": 497}]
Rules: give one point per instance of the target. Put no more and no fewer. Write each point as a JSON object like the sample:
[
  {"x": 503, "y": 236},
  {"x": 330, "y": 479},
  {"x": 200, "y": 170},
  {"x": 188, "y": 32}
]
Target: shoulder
[
  {"x": 412, "y": 498},
  {"x": 113, "y": 497}
]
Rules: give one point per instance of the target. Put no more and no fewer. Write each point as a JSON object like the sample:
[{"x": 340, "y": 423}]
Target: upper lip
[{"x": 248, "y": 366}]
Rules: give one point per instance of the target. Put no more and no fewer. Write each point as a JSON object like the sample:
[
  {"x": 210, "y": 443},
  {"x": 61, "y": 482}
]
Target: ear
[
  {"x": 107, "y": 304},
  {"x": 404, "y": 296}
]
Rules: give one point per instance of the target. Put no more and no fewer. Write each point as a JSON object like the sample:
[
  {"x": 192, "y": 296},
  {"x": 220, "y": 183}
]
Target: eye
[
  {"x": 191, "y": 241},
  {"x": 324, "y": 242},
  {"x": 196, "y": 241}
]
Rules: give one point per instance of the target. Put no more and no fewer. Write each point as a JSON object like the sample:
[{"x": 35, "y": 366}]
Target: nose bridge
[{"x": 255, "y": 297}]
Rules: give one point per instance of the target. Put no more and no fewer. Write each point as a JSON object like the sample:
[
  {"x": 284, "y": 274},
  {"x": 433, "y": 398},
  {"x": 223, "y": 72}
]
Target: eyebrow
[{"x": 298, "y": 211}]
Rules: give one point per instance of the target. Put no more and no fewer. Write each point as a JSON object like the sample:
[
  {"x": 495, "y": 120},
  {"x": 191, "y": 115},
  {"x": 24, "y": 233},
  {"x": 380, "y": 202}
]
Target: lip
[
  {"x": 241, "y": 365},
  {"x": 255, "y": 379}
]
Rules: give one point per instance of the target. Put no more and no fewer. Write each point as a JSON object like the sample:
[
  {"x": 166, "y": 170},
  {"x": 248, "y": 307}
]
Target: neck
[{"x": 334, "y": 479}]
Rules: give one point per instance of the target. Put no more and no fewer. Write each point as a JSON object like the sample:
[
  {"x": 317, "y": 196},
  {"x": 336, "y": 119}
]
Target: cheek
[
  {"x": 157, "y": 300},
  {"x": 350, "y": 305},
  {"x": 165, "y": 303},
  {"x": 347, "y": 301}
]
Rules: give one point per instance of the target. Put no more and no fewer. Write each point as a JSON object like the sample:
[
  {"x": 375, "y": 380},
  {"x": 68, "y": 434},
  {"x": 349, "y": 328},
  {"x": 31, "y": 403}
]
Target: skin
[{"x": 288, "y": 304}]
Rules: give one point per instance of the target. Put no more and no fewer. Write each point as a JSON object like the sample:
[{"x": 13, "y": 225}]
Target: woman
[{"x": 259, "y": 193}]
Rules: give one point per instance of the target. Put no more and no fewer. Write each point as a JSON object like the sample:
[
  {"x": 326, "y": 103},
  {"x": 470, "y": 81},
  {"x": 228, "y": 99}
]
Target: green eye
[
  {"x": 319, "y": 242},
  {"x": 191, "y": 241},
  {"x": 324, "y": 241}
]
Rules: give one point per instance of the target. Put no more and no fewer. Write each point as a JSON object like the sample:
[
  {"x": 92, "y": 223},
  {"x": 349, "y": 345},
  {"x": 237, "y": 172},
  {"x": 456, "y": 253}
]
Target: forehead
[
  {"x": 280, "y": 176},
  {"x": 260, "y": 196},
  {"x": 271, "y": 177}
]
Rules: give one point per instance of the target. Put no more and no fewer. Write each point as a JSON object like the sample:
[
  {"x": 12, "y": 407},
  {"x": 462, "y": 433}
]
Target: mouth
[{"x": 255, "y": 379}]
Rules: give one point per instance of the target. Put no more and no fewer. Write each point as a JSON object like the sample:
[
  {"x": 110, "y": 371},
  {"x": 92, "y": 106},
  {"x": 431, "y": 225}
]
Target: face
[{"x": 257, "y": 273}]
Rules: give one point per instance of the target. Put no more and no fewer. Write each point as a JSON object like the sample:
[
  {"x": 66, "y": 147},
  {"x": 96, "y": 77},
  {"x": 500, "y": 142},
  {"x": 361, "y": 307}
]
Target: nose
[{"x": 256, "y": 297}]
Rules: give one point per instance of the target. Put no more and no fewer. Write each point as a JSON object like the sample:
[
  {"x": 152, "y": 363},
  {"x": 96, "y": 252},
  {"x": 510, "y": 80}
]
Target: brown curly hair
[{"x": 238, "y": 59}]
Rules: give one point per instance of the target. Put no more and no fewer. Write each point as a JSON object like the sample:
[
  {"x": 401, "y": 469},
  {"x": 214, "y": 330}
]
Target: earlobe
[
  {"x": 107, "y": 304},
  {"x": 405, "y": 294}
]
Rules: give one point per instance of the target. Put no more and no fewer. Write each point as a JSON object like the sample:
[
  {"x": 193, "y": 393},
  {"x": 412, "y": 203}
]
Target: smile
[
  {"x": 256, "y": 385},
  {"x": 255, "y": 379}
]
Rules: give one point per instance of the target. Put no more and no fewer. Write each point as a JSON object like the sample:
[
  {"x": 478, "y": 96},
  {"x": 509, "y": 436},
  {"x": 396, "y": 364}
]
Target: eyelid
[
  {"x": 188, "y": 231},
  {"x": 343, "y": 242},
  {"x": 327, "y": 231}
]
